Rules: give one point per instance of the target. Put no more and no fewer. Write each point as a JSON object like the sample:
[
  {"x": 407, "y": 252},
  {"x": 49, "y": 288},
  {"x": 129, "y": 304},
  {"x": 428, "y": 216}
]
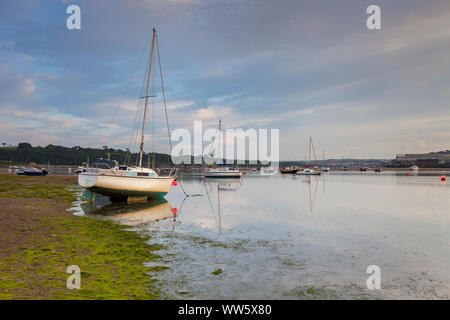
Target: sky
[{"x": 307, "y": 68}]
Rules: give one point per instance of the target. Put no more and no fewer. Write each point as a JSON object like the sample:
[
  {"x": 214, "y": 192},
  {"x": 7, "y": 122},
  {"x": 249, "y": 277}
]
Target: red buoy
[
  {"x": 174, "y": 210},
  {"x": 175, "y": 182},
  {"x": 443, "y": 178}
]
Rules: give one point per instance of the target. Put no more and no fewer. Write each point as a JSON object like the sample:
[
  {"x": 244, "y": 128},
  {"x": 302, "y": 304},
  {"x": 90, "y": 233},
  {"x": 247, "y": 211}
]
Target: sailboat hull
[{"x": 121, "y": 187}]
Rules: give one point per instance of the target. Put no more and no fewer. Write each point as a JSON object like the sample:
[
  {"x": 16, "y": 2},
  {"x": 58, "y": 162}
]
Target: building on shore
[{"x": 422, "y": 160}]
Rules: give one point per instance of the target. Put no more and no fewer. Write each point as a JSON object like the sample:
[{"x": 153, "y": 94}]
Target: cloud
[
  {"x": 179, "y": 104},
  {"x": 14, "y": 84},
  {"x": 116, "y": 104},
  {"x": 28, "y": 86},
  {"x": 308, "y": 68}
]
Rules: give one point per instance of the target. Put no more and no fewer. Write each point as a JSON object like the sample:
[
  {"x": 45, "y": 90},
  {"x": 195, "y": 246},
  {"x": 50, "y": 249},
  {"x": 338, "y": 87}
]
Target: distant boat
[
  {"x": 35, "y": 172},
  {"x": 123, "y": 182},
  {"x": 80, "y": 170},
  {"x": 19, "y": 170},
  {"x": 378, "y": 169},
  {"x": 309, "y": 172},
  {"x": 291, "y": 169},
  {"x": 414, "y": 168},
  {"x": 363, "y": 169},
  {"x": 225, "y": 170}
]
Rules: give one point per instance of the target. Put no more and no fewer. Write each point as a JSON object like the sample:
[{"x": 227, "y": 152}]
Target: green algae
[
  {"x": 217, "y": 272},
  {"x": 111, "y": 260},
  {"x": 110, "y": 257},
  {"x": 34, "y": 187}
]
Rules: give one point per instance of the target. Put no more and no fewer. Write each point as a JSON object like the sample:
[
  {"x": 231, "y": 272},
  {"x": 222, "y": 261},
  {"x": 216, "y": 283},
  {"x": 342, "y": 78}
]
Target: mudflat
[{"x": 40, "y": 239}]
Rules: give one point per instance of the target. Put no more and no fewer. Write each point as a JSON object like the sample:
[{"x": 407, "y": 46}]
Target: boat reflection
[
  {"x": 223, "y": 184},
  {"x": 134, "y": 215},
  {"x": 313, "y": 184},
  {"x": 213, "y": 188}
]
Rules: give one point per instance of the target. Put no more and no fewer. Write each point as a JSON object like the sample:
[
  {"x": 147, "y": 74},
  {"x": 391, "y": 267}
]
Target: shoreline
[{"x": 40, "y": 239}]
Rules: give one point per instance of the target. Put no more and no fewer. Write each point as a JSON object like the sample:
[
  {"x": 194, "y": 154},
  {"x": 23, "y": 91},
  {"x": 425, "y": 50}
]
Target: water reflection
[
  {"x": 134, "y": 215},
  {"x": 261, "y": 233},
  {"x": 213, "y": 188}
]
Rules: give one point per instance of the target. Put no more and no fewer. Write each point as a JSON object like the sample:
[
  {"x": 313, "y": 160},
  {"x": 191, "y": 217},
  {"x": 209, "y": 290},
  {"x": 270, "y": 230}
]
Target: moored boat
[
  {"x": 223, "y": 172},
  {"x": 291, "y": 169},
  {"x": 34, "y": 172},
  {"x": 309, "y": 172},
  {"x": 106, "y": 177},
  {"x": 80, "y": 170},
  {"x": 123, "y": 182},
  {"x": 19, "y": 170}
]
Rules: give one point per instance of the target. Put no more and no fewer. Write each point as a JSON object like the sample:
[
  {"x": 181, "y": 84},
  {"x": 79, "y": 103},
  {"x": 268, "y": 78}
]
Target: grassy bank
[{"x": 39, "y": 239}]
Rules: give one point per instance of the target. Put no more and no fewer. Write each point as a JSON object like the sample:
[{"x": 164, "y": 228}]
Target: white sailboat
[
  {"x": 224, "y": 170},
  {"x": 309, "y": 171},
  {"x": 123, "y": 182}
]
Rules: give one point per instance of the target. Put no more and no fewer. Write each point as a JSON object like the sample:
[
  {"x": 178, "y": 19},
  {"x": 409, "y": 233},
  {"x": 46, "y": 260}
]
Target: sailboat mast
[
  {"x": 314, "y": 151},
  {"x": 310, "y": 139},
  {"x": 146, "y": 98},
  {"x": 218, "y": 143}
]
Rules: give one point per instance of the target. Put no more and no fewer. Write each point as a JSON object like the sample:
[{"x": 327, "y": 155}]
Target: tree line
[{"x": 25, "y": 153}]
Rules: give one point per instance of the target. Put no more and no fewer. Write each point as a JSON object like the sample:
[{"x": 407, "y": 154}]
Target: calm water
[{"x": 293, "y": 237}]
